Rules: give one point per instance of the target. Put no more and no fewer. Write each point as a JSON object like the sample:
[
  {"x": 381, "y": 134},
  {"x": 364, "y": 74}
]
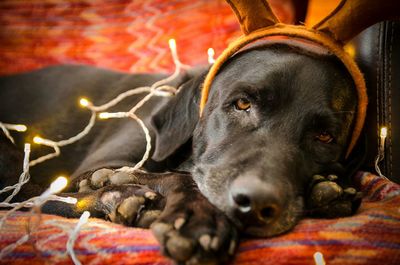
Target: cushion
[{"x": 371, "y": 236}]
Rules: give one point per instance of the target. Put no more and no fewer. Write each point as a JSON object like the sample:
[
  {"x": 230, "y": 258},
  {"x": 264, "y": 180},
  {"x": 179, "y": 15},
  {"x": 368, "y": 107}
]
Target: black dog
[{"x": 278, "y": 114}]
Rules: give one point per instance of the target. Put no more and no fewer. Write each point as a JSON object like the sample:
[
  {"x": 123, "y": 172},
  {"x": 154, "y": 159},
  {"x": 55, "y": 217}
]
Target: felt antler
[
  {"x": 253, "y": 14},
  {"x": 353, "y": 16}
]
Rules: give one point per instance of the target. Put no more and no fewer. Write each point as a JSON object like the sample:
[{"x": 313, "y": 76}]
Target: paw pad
[
  {"x": 328, "y": 199},
  {"x": 100, "y": 177}
]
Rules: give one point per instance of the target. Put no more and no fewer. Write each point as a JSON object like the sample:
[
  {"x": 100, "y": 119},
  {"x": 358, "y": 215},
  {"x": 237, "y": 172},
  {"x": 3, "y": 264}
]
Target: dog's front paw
[
  {"x": 327, "y": 198},
  {"x": 102, "y": 177},
  {"x": 192, "y": 231},
  {"x": 129, "y": 204}
]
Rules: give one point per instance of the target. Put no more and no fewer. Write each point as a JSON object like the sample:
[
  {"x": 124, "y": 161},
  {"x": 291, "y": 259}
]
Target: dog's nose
[{"x": 256, "y": 201}]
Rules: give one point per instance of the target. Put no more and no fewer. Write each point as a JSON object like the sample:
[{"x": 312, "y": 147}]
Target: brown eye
[
  {"x": 324, "y": 137},
  {"x": 242, "y": 104}
]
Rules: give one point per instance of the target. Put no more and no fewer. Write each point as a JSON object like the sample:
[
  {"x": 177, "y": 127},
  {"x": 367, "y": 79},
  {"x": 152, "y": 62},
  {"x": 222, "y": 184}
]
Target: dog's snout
[{"x": 257, "y": 201}]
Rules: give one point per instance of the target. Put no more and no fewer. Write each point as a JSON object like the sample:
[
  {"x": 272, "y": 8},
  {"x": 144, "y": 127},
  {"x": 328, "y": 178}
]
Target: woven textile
[
  {"x": 120, "y": 34},
  {"x": 372, "y": 236},
  {"x": 127, "y": 35},
  {"x": 132, "y": 35}
]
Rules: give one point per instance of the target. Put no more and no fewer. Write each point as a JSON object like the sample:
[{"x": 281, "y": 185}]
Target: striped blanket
[
  {"x": 132, "y": 36},
  {"x": 372, "y": 236}
]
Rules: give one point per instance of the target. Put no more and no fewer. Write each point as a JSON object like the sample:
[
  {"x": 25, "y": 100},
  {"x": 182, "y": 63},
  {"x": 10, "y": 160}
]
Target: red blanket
[{"x": 372, "y": 236}]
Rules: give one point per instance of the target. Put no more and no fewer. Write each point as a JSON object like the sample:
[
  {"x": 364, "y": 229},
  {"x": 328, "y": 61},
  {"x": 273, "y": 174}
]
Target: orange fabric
[
  {"x": 353, "y": 16},
  {"x": 253, "y": 14}
]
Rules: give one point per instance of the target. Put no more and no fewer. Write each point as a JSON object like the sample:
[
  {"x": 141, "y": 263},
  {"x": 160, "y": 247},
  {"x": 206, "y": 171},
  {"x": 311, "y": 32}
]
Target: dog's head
[
  {"x": 272, "y": 115},
  {"x": 276, "y": 115}
]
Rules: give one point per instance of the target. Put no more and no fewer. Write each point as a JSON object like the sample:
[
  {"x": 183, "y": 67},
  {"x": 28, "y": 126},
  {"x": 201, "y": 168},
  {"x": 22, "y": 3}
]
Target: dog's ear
[{"x": 174, "y": 123}]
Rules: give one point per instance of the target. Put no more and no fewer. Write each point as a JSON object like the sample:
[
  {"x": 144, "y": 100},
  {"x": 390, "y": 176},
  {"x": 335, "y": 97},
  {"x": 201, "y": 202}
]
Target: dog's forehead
[{"x": 279, "y": 65}]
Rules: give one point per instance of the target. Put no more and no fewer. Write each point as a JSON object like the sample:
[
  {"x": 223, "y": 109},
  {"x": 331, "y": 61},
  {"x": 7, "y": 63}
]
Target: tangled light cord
[
  {"x": 381, "y": 151},
  {"x": 159, "y": 88}
]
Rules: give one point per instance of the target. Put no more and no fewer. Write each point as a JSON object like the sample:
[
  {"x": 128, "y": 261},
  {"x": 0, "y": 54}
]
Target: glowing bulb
[
  {"x": 58, "y": 185},
  {"x": 20, "y": 128},
  {"x": 84, "y": 102},
  {"x": 319, "y": 258},
  {"x": 84, "y": 218},
  {"x": 107, "y": 115},
  {"x": 70, "y": 200},
  {"x": 104, "y": 115},
  {"x": 211, "y": 54},
  {"x": 38, "y": 140},
  {"x": 27, "y": 148},
  {"x": 172, "y": 44},
  {"x": 383, "y": 132}
]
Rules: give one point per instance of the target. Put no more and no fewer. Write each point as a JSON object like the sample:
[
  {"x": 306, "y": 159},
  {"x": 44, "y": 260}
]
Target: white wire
[
  {"x": 23, "y": 178},
  {"x": 41, "y": 159},
  {"x": 80, "y": 135},
  {"x": 73, "y": 236},
  {"x": 159, "y": 88},
  {"x": 380, "y": 156},
  {"x": 6, "y": 132}
]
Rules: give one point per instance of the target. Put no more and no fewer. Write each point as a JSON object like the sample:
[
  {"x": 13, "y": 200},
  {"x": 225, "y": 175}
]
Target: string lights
[
  {"x": 319, "y": 258},
  {"x": 381, "y": 151},
  {"x": 159, "y": 88},
  {"x": 35, "y": 203},
  {"x": 6, "y": 128},
  {"x": 23, "y": 178},
  {"x": 211, "y": 54},
  {"x": 74, "y": 234}
]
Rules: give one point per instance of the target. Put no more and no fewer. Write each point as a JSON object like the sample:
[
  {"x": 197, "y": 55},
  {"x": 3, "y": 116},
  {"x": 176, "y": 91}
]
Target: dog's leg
[
  {"x": 328, "y": 197},
  {"x": 189, "y": 228}
]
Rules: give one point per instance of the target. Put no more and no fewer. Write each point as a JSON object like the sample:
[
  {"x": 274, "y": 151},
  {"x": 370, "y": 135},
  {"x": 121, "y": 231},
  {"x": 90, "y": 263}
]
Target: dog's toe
[
  {"x": 100, "y": 177},
  {"x": 121, "y": 177},
  {"x": 195, "y": 233},
  {"x": 328, "y": 199},
  {"x": 130, "y": 204},
  {"x": 103, "y": 177}
]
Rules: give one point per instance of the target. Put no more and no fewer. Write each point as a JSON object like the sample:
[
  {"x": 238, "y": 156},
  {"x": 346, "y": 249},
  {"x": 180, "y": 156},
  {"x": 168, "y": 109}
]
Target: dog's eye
[
  {"x": 324, "y": 137},
  {"x": 242, "y": 104}
]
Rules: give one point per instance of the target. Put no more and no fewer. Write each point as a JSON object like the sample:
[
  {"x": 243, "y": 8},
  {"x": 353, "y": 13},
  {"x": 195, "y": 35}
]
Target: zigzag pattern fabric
[
  {"x": 126, "y": 35},
  {"x": 123, "y": 35},
  {"x": 372, "y": 236}
]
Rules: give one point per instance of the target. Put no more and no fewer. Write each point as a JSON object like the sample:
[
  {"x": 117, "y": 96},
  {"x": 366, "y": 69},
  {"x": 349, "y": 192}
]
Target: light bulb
[
  {"x": 319, "y": 258},
  {"x": 383, "y": 132},
  {"x": 84, "y": 102},
  {"x": 172, "y": 44},
  {"x": 38, "y": 140},
  {"x": 58, "y": 185},
  {"x": 20, "y": 128}
]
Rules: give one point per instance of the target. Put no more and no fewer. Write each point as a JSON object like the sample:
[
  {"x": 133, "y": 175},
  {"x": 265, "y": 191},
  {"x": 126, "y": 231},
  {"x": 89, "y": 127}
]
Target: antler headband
[{"x": 257, "y": 21}]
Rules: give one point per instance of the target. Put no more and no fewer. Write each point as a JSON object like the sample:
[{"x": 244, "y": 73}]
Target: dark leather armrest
[{"x": 377, "y": 52}]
